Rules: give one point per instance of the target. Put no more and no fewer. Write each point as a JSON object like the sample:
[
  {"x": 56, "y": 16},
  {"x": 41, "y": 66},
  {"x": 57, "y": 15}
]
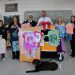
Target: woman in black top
[
  {"x": 3, "y": 30},
  {"x": 73, "y": 37},
  {"x": 13, "y": 30}
]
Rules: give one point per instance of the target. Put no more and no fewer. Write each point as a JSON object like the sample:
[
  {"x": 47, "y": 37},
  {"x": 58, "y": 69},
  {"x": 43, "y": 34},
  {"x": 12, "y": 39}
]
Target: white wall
[{"x": 24, "y": 5}]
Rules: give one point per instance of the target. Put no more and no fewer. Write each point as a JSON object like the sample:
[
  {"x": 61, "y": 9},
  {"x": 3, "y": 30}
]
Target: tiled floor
[{"x": 15, "y": 67}]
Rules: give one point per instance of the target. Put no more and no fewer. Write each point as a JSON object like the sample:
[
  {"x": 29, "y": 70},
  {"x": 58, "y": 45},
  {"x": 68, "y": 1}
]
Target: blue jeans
[
  {"x": 69, "y": 37},
  {"x": 15, "y": 45}
]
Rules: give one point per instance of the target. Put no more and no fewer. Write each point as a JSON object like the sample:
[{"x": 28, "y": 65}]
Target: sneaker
[{"x": 3, "y": 58}]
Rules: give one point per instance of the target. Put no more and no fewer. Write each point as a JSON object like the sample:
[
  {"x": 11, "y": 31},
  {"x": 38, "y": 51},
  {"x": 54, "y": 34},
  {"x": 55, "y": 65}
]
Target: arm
[
  {"x": 48, "y": 34},
  {"x": 5, "y": 34},
  {"x": 5, "y": 44},
  {"x": 50, "y": 21},
  {"x": 39, "y": 22}
]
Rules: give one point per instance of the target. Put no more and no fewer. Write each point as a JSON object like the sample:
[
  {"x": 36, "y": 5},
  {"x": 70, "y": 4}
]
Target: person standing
[
  {"x": 45, "y": 23},
  {"x": 73, "y": 37},
  {"x": 60, "y": 26},
  {"x": 13, "y": 30},
  {"x": 3, "y": 38},
  {"x": 30, "y": 21}
]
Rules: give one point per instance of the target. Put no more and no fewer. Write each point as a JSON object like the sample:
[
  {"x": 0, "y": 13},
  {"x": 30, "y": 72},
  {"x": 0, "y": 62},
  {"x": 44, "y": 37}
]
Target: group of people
[{"x": 15, "y": 25}]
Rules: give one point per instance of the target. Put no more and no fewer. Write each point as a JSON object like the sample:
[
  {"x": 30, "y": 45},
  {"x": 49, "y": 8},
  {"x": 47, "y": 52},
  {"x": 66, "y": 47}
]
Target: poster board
[
  {"x": 23, "y": 55},
  {"x": 46, "y": 46}
]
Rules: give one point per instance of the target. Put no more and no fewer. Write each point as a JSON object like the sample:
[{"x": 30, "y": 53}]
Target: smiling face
[
  {"x": 43, "y": 14},
  {"x": 59, "y": 20},
  {"x": 15, "y": 19},
  {"x": 72, "y": 18},
  {"x": 30, "y": 17}
]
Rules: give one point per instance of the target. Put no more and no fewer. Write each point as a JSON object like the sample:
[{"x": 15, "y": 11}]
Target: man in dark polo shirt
[{"x": 30, "y": 20}]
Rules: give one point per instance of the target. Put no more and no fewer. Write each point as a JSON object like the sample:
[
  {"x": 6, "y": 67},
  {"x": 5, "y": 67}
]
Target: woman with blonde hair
[{"x": 60, "y": 26}]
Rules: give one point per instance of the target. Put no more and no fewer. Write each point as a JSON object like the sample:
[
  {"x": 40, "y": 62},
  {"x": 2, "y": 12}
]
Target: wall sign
[{"x": 11, "y": 7}]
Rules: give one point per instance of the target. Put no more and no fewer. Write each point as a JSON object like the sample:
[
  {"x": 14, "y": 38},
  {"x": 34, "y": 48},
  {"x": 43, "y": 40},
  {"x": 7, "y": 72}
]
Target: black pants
[
  {"x": 15, "y": 54},
  {"x": 73, "y": 45}
]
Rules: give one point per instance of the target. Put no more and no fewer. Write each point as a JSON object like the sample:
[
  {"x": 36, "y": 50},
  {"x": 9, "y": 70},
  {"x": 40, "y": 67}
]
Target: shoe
[
  {"x": 13, "y": 55},
  {"x": 17, "y": 54},
  {"x": 3, "y": 58}
]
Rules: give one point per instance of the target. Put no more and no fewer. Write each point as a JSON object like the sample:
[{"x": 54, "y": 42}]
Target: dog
[{"x": 43, "y": 66}]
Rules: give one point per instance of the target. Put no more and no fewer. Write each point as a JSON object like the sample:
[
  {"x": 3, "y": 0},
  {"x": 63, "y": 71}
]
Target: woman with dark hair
[
  {"x": 72, "y": 19},
  {"x": 15, "y": 20},
  {"x": 73, "y": 37},
  {"x": 13, "y": 30}
]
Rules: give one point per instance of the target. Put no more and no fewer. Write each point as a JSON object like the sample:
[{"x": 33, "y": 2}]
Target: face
[
  {"x": 59, "y": 18},
  {"x": 0, "y": 24},
  {"x": 15, "y": 19},
  {"x": 72, "y": 18},
  {"x": 43, "y": 14},
  {"x": 30, "y": 17},
  {"x": 59, "y": 21}
]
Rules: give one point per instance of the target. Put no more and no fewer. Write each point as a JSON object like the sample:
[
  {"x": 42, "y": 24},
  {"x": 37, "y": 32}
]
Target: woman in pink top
[{"x": 69, "y": 28}]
